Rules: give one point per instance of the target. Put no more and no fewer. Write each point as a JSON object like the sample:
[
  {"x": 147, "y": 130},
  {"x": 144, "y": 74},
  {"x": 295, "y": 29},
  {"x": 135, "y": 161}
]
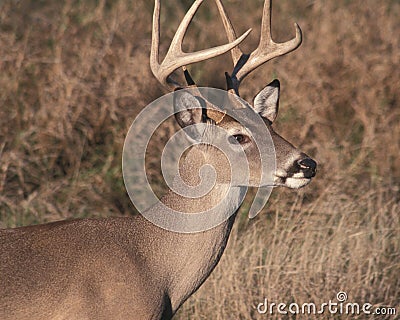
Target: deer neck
[{"x": 193, "y": 256}]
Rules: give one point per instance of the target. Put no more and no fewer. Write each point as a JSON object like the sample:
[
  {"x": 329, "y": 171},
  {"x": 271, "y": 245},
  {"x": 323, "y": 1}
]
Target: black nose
[{"x": 308, "y": 166}]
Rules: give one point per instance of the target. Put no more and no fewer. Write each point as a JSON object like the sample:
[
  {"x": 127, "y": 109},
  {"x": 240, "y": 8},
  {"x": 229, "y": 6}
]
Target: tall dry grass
[{"x": 74, "y": 74}]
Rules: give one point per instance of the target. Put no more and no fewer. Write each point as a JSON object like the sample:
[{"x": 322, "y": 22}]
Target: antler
[
  {"x": 175, "y": 57},
  {"x": 267, "y": 49}
]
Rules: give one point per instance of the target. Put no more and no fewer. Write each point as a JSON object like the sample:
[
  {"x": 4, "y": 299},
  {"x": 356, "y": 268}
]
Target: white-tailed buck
[{"x": 128, "y": 268}]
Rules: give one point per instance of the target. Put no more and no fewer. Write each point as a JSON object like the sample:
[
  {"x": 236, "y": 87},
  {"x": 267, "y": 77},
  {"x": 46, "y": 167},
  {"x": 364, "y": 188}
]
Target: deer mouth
[{"x": 298, "y": 175}]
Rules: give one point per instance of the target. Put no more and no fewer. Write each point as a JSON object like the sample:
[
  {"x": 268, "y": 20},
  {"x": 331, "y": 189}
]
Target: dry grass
[{"x": 73, "y": 74}]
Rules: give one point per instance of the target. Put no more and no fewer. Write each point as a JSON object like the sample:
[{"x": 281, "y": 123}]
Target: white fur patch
[{"x": 296, "y": 183}]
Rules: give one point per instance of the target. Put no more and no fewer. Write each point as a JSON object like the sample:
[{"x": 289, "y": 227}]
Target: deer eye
[{"x": 240, "y": 138}]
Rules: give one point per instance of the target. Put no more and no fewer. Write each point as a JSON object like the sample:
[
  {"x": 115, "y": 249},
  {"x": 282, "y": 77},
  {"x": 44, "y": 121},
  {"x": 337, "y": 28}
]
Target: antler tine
[
  {"x": 267, "y": 49},
  {"x": 175, "y": 57},
  {"x": 155, "y": 40},
  {"x": 230, "y": 32}
]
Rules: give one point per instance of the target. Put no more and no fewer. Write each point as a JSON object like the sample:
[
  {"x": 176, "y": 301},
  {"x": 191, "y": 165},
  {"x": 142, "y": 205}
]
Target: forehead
[
  {"x": 229, "y": 110},
  {"x": 245, "y": 116}
]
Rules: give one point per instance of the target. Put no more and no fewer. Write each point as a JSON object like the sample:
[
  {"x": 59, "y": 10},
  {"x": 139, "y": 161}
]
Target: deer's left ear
[{"x": 266, "y": 102}]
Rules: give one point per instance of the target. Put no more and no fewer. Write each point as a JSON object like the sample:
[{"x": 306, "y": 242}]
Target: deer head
[{"x": 294, "y": 169}]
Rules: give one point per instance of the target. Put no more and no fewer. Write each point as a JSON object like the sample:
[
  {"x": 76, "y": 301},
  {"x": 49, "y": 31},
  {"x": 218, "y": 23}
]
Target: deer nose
[{"x": 308, "y": 166}]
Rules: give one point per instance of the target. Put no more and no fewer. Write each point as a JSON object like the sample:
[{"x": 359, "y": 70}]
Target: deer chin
[
  {"x": 296, "y": 183},
  {"x": 291, "y": 182}
]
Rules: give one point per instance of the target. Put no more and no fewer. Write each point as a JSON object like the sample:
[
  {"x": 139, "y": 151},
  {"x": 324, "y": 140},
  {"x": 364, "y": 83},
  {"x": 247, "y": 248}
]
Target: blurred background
[{"x": 73, "y": 75}]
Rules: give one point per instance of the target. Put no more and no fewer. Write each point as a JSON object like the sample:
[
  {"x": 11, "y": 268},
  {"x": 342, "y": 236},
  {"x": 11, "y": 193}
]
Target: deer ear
[
  {"x": 189, "y": 112},
  {"x": 188, "y": 109},
  {"x": 266, "y": 102}
]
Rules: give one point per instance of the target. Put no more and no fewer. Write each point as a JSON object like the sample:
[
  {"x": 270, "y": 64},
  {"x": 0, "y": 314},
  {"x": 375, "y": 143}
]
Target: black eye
[{"x": 241, "y": 138}]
